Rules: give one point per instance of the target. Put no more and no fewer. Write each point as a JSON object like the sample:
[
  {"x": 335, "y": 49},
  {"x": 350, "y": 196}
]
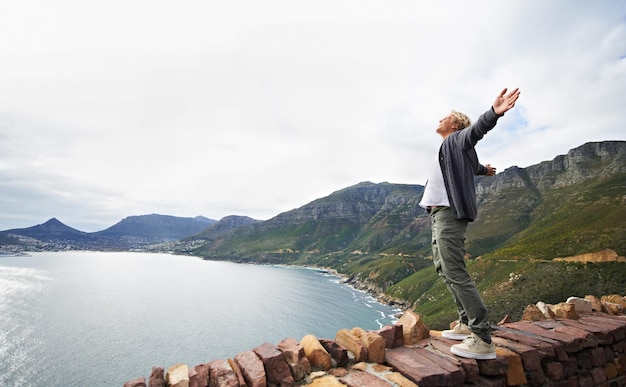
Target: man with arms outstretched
[{"x": 450, "y": 199}]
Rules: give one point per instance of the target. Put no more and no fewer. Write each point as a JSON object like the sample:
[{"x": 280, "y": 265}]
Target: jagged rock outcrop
[
  {"x": 293, "y": 353},
  {"x": 586, "y": 350},
  {"x": 606, "y": 255},
  {"x": 178, "y": 376}
]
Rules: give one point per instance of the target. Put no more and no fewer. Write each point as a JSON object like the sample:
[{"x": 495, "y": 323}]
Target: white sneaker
[
  {"x": 474, "y": 348},
  {"x": 459, "y": 332}
]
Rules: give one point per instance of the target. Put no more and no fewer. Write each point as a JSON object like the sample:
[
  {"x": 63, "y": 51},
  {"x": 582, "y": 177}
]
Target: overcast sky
[{"x": 116, "y": 108}]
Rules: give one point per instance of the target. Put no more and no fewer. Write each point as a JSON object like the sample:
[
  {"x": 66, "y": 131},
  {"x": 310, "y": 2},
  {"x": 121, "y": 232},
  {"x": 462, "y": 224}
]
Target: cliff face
[
  {"x": 595, "y": 160},
  {"x": 356, "y": 204},
  {"x": 366, "y": 216},
  {"x": 566, "y": 206}
]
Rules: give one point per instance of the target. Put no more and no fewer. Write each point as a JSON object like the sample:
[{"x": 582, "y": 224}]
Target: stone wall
[{"x": 578, "y": 343}]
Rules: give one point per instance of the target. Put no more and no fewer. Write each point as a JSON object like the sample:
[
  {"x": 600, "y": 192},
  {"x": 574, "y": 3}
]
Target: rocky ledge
[{"x": 577, "y": 343}]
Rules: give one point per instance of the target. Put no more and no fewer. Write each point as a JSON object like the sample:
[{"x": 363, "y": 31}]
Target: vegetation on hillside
[{"x": 378, "y": 236}]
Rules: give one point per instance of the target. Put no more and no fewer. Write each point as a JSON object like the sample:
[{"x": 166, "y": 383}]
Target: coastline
[
  {"x": 352, "y": 281},
  {"x": 363, "y": 286}
]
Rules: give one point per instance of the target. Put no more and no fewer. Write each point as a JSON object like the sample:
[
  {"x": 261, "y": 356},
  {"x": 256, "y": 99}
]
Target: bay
[{"x": 101, "y": 318}]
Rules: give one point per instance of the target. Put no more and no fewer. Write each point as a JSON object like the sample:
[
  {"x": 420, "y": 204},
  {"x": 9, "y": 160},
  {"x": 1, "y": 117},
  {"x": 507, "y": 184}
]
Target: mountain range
[
  {"x": 378, "y": 236},
  {"x": 569, "y": 205},
  {"x": 130, "y": 233}
]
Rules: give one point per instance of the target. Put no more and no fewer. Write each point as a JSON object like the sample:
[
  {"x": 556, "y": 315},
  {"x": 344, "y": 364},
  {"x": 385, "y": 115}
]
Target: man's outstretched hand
[{"x": 505, "y": 102}]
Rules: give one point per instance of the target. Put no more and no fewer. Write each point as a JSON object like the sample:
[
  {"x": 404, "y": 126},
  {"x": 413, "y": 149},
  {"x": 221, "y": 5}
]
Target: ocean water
[{"x": 101, "y": 319}]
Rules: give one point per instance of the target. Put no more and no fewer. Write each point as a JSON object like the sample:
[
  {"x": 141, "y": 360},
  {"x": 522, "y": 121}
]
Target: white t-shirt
[{"x": 435, "y": 191}]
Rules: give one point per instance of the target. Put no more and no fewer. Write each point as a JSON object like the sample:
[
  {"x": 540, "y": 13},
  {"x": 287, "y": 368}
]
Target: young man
[{"x": 450, "y": 199}]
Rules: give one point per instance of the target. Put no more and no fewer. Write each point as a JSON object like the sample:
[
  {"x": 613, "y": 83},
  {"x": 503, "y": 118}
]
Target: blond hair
[{"x": 461, "y": 119}]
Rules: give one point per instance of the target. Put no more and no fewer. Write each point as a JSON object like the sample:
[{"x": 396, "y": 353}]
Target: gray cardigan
[{"x": 459, "y": 164}]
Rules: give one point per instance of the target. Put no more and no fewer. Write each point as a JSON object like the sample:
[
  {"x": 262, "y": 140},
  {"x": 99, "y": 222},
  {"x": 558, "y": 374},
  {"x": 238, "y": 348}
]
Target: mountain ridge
[
  {"x": 129, "y": 233},
  {"x": 385, "y": 217}
]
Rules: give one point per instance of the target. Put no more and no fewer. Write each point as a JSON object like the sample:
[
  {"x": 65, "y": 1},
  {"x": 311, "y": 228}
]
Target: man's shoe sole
[
  {"x": 454, "y": 336},
  {"x": 473, "y": 355}
]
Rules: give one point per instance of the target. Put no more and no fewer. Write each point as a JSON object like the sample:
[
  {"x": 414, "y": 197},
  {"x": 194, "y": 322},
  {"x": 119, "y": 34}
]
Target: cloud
[{"x": 254, "y": 108}]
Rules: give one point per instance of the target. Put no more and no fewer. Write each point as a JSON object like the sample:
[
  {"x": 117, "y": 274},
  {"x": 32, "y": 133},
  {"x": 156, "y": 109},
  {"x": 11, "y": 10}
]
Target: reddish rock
[
  {"x": 545, "y": 347},
  {"x": 193, "y": 377},
  {"x": 565, "y": 310},
  {"x": 491, "y": 381},
  {"x": 375, "y": 347},
  {"x": 570, "y": 367},
  {"x": 587, "y": 339},
  {"x": 353, "y": 343},
  {"x": 337, "y": 352},
  {"x": 554, "y": 371},
  {"x": 532, "y": 313},
  {"x": 546, "y": 310},
  {"x": 202, "y": 370},
  {"x": 612, "y": 308},
  {"x": 580, "y": 304},
  {"x": 413, "y": 328},
  {"x": 399, "y": 380},
  {"x": 469, "y": 366},
  {"x": 326, "y": 381},
  {"x": 293, "y": 353},
  {"x": 536, "y": 378},
  {"x": 598, "y": 357},
  {"x": 570, "y": 343},
  {"x": 139, "y": 382},
  {"x": 392, "y": 336},
  {"x": 615, "y": 299},
  {"x": 157, "y": 377},
  {"x": 276, "y": 368},
  {"x": 602, "y": 334},
  {"x": 616, "y": 327},
  {"x": 598, "y": 376},
  {"x": 178, "y": 375},
  {"x": 411, "y": 362},
  {"x": 449, "y": 365},
  {"x": 359, "y": 379},
  {"x": 515, "y": 375},
  {"x": 235, "y": 367},
  {"x": 252, "y": 369},
  {"x": 494, "y": 367},
  {"x": 221, "y": 374},
  {"x": 596, "y": 303},
  {"x": 315, "y": 352},
  {"x": 358, "y": 332},
  {"x": 529, "y": 355}
]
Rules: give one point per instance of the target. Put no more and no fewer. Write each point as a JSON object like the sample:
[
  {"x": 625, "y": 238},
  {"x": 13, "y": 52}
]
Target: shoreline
[{"x": 380, "y": 296}]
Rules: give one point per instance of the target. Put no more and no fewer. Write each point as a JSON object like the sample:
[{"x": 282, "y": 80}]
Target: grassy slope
[
  {"x": 574, "y": 220},
  {"x": 508, "y": 286}
]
